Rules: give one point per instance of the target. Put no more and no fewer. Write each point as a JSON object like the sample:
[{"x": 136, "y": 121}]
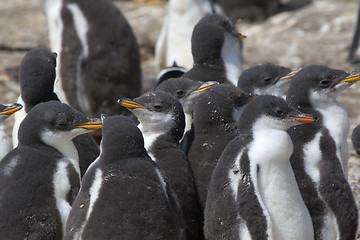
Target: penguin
[
  {"x": 253, "y": 193},
  {"x": 355, "y": 139},
  {"x": 40, "y": 178},
  {"x": 162, "y": 123},
  {"x": 320, "y": 156},
  {"x": 174, "y": 40},
  {"x": 37, "y": 75},
  {"x": 266, "y": 79},
  {"x": 187, "y": 91},
  {"x": 216, "y": 49},
  {"x": 5, "y": 111},
  {"x": 97, "y": 64},
  {"x": 356, "y": 37},
  {"x": 173, "y": 71},
  {"x": 215, "y": 121},
  {"x": 124, "y": 194}
]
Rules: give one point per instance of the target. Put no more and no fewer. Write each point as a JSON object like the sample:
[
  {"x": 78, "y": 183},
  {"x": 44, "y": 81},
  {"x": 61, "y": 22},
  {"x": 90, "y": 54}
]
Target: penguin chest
[{"x": 231, "y": 56}]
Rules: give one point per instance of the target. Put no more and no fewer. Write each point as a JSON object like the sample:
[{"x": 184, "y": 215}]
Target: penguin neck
[
  {"x": 231, "y": 57},
  {"x": 188, "y": 122},
  {"x": 150, "y": 134}
]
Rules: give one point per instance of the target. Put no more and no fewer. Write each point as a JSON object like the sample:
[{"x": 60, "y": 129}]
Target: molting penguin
[
  {"x": 215, "y": 122},
  {"x": 123, "y": 191},
  {"x": 187, "y": 91},
  {"x": 5, "y": 111},
  {"x": 174, "y": 41},
  {"x": 355, "y": 138},
  {"x": 266, "y": 79},
  {"x": 37, "y": 76},
  {"x": 40, "y": 178},
  {"x": 320, "y": 153},
  {"x": 97, "y": 64},
  {"x": 217, "y": 50},
  {"x": 253, "y": 192},
  {"x": 162, "y": 124}
]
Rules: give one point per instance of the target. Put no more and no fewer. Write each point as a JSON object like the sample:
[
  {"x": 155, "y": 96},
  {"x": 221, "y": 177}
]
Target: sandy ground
[{"x": 319, "y": 33}]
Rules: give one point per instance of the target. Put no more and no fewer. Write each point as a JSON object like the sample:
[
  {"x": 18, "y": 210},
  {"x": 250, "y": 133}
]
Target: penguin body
[
  {"x": 97, "y": 64},
  {"x": 125, "y": 190},
  {"x": 266, "y": 79},
  {"x": 44, "y": 171},
  {"x": 253, "y": 192},
  {"x": 355, "y": 138},
  {"x": 174, "y": 41},
  {"x": 162, "y": 124},
  {"x": 37, "y": 76},
  {"x": 216, "y": 49},
  {"x": 215, "y": 122},
  {"x": 320, "y": 151}
]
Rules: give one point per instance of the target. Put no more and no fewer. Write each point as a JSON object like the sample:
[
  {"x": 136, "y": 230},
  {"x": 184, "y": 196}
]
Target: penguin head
[
  {"x": 121, "y": 138},
  {"x": 37, "y": 75},
  {"x": 158, "y": 112},
  {"x": 185, "y": 90},
  {"x": 318, "y": 86},
  {"x": 273, "y": 112},
  {"x": 54, "y": 123},
  {"x": 7, "y": 109},
  {"x": 266, "y": 79},
  {"x": 209, "y": 36},
  {"x": 173, "y": 71}
]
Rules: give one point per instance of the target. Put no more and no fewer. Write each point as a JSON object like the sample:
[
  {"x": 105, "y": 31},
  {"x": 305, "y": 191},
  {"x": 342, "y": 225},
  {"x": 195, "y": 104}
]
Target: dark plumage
[{"x": 355, "y": 138}]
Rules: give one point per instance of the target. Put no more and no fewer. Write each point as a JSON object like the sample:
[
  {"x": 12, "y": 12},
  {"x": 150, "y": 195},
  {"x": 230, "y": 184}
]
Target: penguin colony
[{"x": 210, "y": 153}]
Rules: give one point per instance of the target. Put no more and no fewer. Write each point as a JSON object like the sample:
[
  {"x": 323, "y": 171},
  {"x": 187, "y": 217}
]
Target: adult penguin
[{"x": 40, "y": 178}]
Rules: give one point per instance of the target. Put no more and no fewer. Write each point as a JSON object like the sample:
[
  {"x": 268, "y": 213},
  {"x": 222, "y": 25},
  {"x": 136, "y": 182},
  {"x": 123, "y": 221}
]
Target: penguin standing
[
  {"x": 215, "y": 122},
  {"x": 216, "y": 49},
  {"x": 5, "y": 111},
  {"x": 40, "y": 178},
  {"x": 266, "y": 79},
  {"x": 99, "y": 58},
  {"x": 123, "y": 194},
  {"x": 37, "y": 75},
  {"x": 320, "y": 156},
  {"x": 162, "y": 124},
  {"x": 253, "y": 192},
  {"x": 174, "y": 41},
  {"x": 187, "y": 91}
]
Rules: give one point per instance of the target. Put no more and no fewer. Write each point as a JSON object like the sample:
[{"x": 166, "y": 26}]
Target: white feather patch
[{"x": 231, "y": 55}]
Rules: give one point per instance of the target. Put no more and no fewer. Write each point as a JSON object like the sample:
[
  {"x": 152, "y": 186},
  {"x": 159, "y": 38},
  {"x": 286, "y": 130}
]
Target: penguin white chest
[{"x": 231, "y": 55}]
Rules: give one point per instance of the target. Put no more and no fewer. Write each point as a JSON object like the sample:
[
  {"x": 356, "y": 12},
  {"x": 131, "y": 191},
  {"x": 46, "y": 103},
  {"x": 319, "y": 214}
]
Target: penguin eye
[
  {"x": 325, "y": 83},
  {"x": 62, "y": 125},
  {"x": 179, "y": 93},
  {"x": 279, "y": 112},
  {"x": 268, "y": 79},
  {"x": 157, "y": 107}
]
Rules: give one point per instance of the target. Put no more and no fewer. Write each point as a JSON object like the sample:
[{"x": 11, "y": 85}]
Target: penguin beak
[
  {"x": 130, "y": 104},
  {"x": 236, "y": 20},
  {"x": 204, "y": 86},
  {"x": 91, "y": 125},
  {"x": 249, "y": 99},
  {"x": 351, "y": 78},
  {"x": 290, "y": 74},
  {"x": 10, "y": 109},
  {"x": 239, "y": 35},
  {"x": 303, "y": 118}
]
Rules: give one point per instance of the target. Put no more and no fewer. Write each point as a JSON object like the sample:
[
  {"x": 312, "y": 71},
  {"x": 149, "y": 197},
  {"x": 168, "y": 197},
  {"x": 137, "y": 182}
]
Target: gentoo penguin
[
  {"x": 5, "y": 111},
  {"x": 162, "y": 123},
  {"x": 215, "y": 121},
  {"x": 37, "y": 75},
  {"x": 216, "y": 49},
  {"x": 40, "y": 178},
  {"x": 97, "y": 64},
  {"x": 253, "y": 192},
  {"x": 355, "y": 138},
  {"x": 266, "y": 79},
  {"x": 320, "y": 153},
  {"x": 173, "y": 71},
  {"x": 187, "y": 91},
  {"x": 124, "y": 194},
  {"x": 174, "y": 41}
]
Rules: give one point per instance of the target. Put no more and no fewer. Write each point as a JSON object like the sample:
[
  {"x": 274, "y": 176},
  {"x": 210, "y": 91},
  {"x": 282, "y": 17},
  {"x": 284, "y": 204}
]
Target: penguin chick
[
  {"x": 40, "y": 178},
  {"x": 123, "y": 190},
  {"x": 266, "y": 79},
  {"x": 253, "y": 192},
  {"x": 216, "y": 49},
  {"x": 5, "y": 111},
  {"x": 37, "y": 76},
  {"x": 320, "y": 158},
  {"x": 215, "y": 122},
  {"x": 355, "y": 138},
  {"x": 162, "y": 124}
]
